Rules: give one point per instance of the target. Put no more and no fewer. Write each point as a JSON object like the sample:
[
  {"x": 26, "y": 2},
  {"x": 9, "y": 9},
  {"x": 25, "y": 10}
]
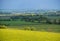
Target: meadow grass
[{"x": 25, "y": 35}]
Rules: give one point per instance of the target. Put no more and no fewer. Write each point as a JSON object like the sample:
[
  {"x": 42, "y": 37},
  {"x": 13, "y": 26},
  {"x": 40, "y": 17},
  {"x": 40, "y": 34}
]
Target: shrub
[
  {"x": 30, "y": 28},
  {"x": 33, "y": 28},
  {"x": 27, "y": 28},
  {"x": 54, "y": 21},
  {"x": 3, "y": 27},
  {"x": 48, "y": 21},
  {"x": 59, "y": 21}
]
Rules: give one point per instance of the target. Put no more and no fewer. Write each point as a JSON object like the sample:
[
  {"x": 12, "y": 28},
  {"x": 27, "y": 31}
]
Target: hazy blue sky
[{"x": 29, "y": 4}]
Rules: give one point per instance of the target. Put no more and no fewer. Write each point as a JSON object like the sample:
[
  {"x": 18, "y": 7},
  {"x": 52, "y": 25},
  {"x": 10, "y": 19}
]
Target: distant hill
[{"x": 39, "y": 11}]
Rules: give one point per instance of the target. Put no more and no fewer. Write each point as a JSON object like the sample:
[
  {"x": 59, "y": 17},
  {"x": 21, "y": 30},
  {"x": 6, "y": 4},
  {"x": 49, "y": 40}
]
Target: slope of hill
[{"x": 24, "y": 35}]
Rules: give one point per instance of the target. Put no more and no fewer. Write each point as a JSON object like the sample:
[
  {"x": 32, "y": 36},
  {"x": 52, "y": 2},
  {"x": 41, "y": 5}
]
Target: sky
[{"x": 29, "y": 4}]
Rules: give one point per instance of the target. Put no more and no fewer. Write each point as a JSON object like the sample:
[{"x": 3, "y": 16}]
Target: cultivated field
[
  {"x": 25, "y": 35},
  {"x": 36, "y": 26}
]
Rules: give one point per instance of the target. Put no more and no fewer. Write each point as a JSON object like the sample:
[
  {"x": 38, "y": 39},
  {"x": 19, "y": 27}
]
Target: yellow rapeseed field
[{"x": 25, "y": 35}]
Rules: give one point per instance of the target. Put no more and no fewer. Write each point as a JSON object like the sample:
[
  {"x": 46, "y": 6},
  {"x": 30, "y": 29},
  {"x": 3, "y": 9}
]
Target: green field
[
  {"x": 18, "y": 22},
  {"x": 25, "y": 35},
  {"x": 41, "y": 27},
  {"x": 36, "y": 26}
]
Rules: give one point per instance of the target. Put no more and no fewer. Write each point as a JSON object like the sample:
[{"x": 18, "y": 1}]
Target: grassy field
[
  {"x": 25, "y": 35},
  {"x": 16, "y": 22},
  {"x": 38, "y": 26}
]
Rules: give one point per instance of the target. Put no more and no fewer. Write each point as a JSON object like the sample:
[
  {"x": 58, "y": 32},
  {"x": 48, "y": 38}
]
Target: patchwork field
[{"x": 25, "y": 35}]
